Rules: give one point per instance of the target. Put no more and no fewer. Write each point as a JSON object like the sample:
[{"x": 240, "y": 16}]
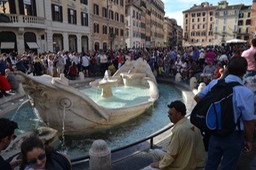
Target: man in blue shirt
[{"x": 226, "y": 150}]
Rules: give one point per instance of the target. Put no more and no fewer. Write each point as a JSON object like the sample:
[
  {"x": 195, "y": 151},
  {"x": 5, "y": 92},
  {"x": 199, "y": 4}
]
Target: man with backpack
[{"x": 227, "y": 139}]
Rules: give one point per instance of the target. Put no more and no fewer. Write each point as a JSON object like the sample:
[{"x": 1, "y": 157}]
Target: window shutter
[
  {"x": 53, "y": 12},
  {"x": 82, "y": 19},
  {"x": 75, "y": 17},
  {"x": 69, "y": 18},
  {"x": 33, "y": 4},
  {"x": 12, "y": 6},
  {"x": 61, "y": 16},
  {"x": 87, "y": 19},
  {"x": 21, "y": 7}
]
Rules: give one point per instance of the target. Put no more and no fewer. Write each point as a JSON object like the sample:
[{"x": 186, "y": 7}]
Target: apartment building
[
  {"x": 179, "y": 35},
  {"x": 44, "y": 25},
  {"x": 198, "y": 25},
  {"x": 226, "y": 25},
  {"x": 157, "y": 14},
  {"x": 133, "y": 15},
  {"x": 172, "y": 32},
  {"x": 244, "y": 23},
  {"x": 108, "y": 24}
]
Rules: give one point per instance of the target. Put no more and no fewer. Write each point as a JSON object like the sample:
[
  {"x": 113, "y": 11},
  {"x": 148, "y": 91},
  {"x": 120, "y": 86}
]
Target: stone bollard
[
  {"x": 178, "y": 77},
  {"x": 192, "y": 83},
  {"x": 100, "y": 156},
  {"x": 81, "y": 75}
]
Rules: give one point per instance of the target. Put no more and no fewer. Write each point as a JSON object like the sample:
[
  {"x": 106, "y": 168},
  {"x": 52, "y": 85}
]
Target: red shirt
[{"x": 4, "y": 84}]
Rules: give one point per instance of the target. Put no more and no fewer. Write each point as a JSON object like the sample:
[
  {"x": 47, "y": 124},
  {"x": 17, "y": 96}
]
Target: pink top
[
  {"x": 249, "y": 56},
  {"x": 209, "y": 57}
]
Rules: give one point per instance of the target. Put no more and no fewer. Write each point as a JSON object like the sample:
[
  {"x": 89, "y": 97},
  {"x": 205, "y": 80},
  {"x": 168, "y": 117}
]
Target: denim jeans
[{"x": 224, "y": 151}]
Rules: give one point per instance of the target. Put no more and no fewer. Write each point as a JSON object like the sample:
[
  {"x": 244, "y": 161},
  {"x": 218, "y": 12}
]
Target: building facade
[
  {"x": 253, "y": 20},
  {"x": 244, "y": 23},
  {"x": 45, "y": 25},
  {"x": 226, "y": 25},
  {"x": 198, "y": 25},
  {"x": 134, "y": 30},
  {"x": 107, "y": 24}
]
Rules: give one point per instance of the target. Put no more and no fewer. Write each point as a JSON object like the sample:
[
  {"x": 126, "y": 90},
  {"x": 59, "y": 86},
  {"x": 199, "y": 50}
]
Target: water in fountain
[
  {"x": 63, "y": 145},
  {"x": 24, "y": 102}
]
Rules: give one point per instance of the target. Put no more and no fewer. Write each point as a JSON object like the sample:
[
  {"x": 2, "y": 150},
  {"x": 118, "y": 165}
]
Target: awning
[
  {"x": 7, "y": 45},
  {"x": 32, "y": 45}
]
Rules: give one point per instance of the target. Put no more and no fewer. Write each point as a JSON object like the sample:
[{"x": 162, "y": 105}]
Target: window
[
  {"x": 111, "y": 29},
  {"x": 241, "y": 15},
  {"x": 96, "y": 28},
  {"x": 210, "y": 18},
  {"x": 56, "y": 13},
  {"x": 116, "y": 16},
  {"x": 122, "y": 18},
  {"x": 84, "y": 19},
  {"x": 104, "y": 12},
  {"x": 193, "y": 15},
  {"x": 248, "y": 15},
  {"x": 29, "y": 7},
  {"x": 198, "y": 26},
  {"x": 186, "y": 15},
  {"x": 225, "y": 12},
  {"x": 104, "y": 29},
  {"x": 211, "y": 13},
  {"x": 203, "y": 19},
  {"x": 186, "y": 21},
  {"x": 198, "y": 14},
  {"x": 116, "y": 2},
  {"x": 117, "y": 31},
  {"x": 84, "y": 2},
  {"x": 193, "y": 20},
  {"x": 247, "y": 30},
  {"x": 240, "y": 22},
  {"x": 121, "y": 2},
  {"x": 96, "y": 9},
  {"x": 203, "y": 14},
  {"x": 111, "y": 14},
  {"x": 121, "y": 31},
  {"x": 224, "y": 28},
  {"x": 71, "y": 16},
  {"x": 198, "y": 19},
  {"x": 248, "y": 22},
  {"x": 133, "y": 13}
]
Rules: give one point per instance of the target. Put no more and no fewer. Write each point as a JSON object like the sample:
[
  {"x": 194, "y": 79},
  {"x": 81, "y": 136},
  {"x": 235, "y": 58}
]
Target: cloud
[{"x": 176, "y": 15}]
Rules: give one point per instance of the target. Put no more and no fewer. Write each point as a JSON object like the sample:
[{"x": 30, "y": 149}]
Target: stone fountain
[
  {"x": 57, "y": 103},
  {"x": 106, "y": 85}
]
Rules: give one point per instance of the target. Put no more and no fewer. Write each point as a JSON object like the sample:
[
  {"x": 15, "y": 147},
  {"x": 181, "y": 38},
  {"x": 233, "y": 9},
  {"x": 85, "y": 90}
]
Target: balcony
[{"x": 24, "y": 21}]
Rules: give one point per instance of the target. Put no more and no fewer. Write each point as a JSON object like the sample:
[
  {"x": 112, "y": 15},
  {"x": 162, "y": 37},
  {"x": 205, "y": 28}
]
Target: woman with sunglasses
[{"x": 36, "y": 156}]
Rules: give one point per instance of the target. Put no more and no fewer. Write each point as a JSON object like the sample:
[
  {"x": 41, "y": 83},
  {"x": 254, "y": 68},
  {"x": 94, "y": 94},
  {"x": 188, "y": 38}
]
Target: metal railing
[{"x": 150, "y": 138}]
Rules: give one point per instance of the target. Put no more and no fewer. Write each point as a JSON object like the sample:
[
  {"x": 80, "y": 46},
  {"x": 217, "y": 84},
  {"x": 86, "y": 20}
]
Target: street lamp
[{"x": 2, "y": 2}]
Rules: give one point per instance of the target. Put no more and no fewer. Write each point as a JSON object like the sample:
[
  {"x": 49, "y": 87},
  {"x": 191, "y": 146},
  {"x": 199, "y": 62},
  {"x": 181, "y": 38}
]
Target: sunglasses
[{"x": 41, "y": 157}]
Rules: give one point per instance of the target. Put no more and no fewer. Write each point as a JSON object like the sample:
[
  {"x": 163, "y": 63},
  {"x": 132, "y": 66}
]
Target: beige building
[
  {"x": 133, "y": 16},
  {"x": 107, "y": 24},
  {"x": 198, "y": 25},
  {"x": 172, "y": 33},
  {"x": 244, "y": 23},
  {"x": 44, "y": 25},
  {"x": 226, "y": 22},
  {"x": 157, "y": 14}
]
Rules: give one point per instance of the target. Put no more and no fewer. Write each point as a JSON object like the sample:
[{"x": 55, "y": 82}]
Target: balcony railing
[
  {"x": 28, "y": 21},
  {"x": 25, "y": 19}
]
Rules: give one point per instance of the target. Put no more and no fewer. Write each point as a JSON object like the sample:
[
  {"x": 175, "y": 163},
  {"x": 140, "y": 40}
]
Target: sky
[{"x": 174, "y": 8}]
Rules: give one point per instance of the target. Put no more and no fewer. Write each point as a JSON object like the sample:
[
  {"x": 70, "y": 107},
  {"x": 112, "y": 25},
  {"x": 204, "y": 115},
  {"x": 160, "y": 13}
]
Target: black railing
[{"x": 151, "y": 138}]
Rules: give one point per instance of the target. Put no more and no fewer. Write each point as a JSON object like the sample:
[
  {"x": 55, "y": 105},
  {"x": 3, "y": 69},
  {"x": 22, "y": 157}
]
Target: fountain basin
[
  {"x": 56, "y": 102},
  {"x": 132, "y": 79}
]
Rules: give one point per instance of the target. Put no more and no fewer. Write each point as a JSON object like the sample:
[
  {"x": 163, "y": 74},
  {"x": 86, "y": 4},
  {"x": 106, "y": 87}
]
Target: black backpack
[{"x": 213, "y": 114}]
